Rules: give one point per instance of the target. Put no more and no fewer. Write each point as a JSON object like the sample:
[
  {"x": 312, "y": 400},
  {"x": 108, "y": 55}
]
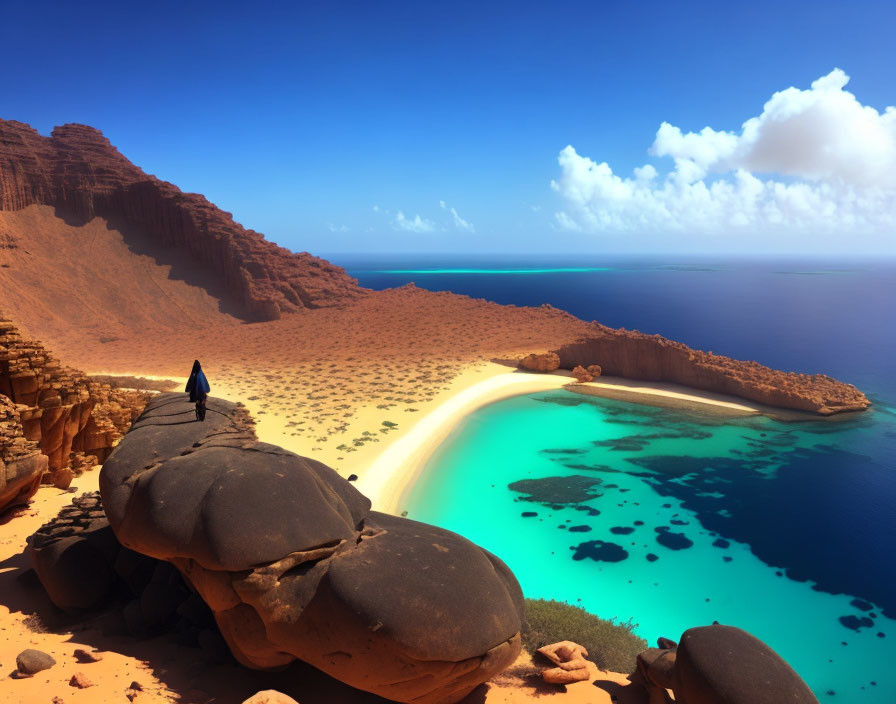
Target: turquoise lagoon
[{"x": 672, "y": 518}]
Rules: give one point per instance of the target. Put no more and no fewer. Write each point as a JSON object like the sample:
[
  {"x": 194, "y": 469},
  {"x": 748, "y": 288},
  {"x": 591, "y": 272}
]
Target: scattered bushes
[{"x": 610, "y": 645}]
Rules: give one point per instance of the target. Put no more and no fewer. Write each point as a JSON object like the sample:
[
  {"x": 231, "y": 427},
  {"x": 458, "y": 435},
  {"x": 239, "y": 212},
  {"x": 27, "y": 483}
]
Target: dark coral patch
[
  {"x": 854, "y": 623},
  {"x": 782, "y": 510},
  {"x": 599, "y": 551},
  {"x": 720, "y": 543},
  {"x": 861, "y": 605},
  {"x": 557, "y": 490},
  {"x": 580, "y": 529},
  {"x": 529, "y": 514},
  {"x": 673, "y": 541},
  {"x": 622, "y": 530},
  {"x": 651, "y": 557}
]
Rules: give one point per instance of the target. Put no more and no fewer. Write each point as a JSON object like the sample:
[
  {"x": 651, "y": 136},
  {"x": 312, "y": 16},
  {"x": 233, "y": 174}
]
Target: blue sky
[{"x": 454, "y": 119}]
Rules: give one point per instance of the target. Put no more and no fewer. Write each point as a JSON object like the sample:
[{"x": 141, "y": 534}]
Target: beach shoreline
[
  {"x": 388, "y": 467},
  {"x": 394, "y": 472}
]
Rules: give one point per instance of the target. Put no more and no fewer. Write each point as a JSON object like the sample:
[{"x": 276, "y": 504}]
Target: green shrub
[{"x": 610, "y": 645}]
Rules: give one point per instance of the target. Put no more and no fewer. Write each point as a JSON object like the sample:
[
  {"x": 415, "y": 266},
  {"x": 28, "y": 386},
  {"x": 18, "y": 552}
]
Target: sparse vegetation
[{"x": 610, "y": 645}]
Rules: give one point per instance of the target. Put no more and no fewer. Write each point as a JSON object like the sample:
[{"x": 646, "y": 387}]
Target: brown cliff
[
  {"x": 636, "y": 355},
  {"x": 55, "y": 411},
  {"x": 77, "y": 171}
]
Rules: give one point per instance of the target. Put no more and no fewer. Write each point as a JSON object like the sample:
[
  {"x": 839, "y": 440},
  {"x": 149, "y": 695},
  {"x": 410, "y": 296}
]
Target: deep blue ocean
[{"x": 670, "y": 518}]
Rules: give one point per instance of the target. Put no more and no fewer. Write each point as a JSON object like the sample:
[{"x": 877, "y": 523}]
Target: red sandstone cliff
[
  {"x": 77, "y": 171},
  {"x": 635, "y": 355},
  {"x": 53, "y": 420}
]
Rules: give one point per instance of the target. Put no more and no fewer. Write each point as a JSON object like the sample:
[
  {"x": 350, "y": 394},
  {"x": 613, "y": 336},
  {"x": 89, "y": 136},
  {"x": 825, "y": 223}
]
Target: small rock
[
  {"x": 85, "y": 656},
  {"x": 132, "y": 691},
  {"x": 80, "y": 681},
  {"x": 270, "y": 696},
  {"x": 62, "y": 478},
  {"x": 30, "y": 662},
  {"x": 581, "y": 374},
  {"x": 58, "y": 700},
  {"x": 570, "y": 660},
  {"x": 557, "y": 675}
]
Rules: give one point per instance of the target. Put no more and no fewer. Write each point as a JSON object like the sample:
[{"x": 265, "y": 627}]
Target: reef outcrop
[
  {"x": 72, "y": 421},
  {"x": 79, "y": 172},
  {"x": 635, "y": 355},
  {"x": 405, "y": 610}
]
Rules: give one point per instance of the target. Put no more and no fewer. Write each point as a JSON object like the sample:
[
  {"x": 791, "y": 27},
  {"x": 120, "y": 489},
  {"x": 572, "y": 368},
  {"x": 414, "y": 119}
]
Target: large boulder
[
  {"x": 294, "y": 564},
  {"x": 721, "y": 665}
]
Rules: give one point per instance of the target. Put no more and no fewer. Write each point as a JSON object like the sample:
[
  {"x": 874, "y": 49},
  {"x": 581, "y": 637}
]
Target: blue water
[{"x": 670, "y": 518}]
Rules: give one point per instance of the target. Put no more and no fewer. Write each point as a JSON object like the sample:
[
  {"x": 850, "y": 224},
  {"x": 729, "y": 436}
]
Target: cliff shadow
[{"x": 180, "y": 263}]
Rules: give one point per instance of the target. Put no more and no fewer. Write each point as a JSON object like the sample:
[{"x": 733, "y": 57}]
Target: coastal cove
[
  {"x": 811, "y": 549},
  {"x": 668, "y": 517}
]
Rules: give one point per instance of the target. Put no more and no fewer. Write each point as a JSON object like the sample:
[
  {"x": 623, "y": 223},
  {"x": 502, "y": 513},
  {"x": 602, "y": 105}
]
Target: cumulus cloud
[
  {"x": 415, "y": 224},
  {"x": 459, "y": 222},
  {"x": 337, "y": 228},
  {"x": 813, "y": 161}
]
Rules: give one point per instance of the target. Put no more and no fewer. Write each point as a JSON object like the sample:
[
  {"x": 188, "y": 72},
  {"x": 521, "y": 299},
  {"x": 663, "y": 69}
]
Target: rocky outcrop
[
  {"x": 294, "y": 564},
  {"x": 719, "y": 664},
  {"x": 635, "y": 355},
  {"x": 57, "y": 410},
  {"x": 21, "y": 462},
  {"x": 82, "y": 175},
  {"x": 74, "y": 555},
  {"x": 547, "y": 362}
]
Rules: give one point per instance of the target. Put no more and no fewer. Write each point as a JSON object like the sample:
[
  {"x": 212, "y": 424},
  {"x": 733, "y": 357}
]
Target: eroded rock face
[
  {"x": 21, "y": 462},
  {"x": 547, "y": 362},
  {"x": 634, "y": 355},
  {"x": 70, "y": 418},
  {"x": 79, "y": 172},
  {"x": 294, "y": 564}
]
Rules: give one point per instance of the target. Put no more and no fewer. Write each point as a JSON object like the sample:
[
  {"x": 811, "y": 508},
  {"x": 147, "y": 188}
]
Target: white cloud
[
  {"x": 814, "y": 161},
  {"x": 337, "y": 228},
  {"x": 415, "y": 224},
  {"x": 459, "y": 222}
]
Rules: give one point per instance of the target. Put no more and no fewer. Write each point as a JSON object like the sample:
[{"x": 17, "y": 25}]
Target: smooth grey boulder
[{"x": 29, "y": 662}]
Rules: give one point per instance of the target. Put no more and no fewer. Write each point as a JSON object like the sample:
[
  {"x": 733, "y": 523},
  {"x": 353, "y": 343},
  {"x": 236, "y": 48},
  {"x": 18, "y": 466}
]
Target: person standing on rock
[{"x": 198, "y": 388}]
